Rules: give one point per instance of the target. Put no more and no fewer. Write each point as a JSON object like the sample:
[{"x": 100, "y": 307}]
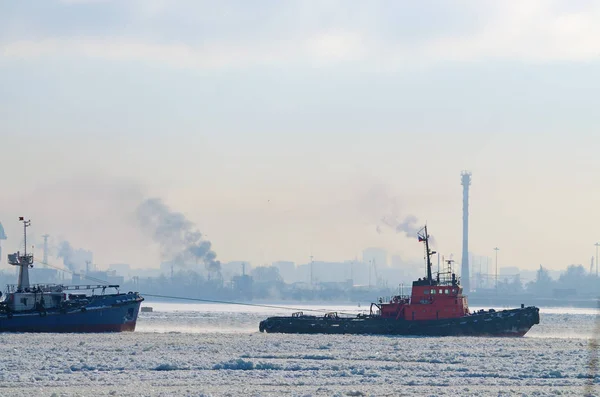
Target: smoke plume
[
  {"x": 408, "y": 226},
  {"x": 179, "y": 239},
  {"x": 65, "y": 251},
  {"x": 379, "y": 200}
]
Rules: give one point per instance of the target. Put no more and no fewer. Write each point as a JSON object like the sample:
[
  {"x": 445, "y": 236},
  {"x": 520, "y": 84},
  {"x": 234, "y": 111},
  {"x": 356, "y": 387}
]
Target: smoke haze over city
[{"x": 282, "y": 130}]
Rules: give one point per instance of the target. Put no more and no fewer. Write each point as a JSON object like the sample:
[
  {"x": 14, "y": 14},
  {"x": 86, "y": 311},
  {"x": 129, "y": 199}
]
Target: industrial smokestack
[
  {"x": 45, "y": 258},
  {"x": 2, "y": 237},
  {"x": 464, "y": 270}
]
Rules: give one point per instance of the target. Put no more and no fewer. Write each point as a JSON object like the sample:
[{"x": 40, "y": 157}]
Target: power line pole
[
  {"x": 311, "y": 270},
  {"x": 496, "y": 249},
  {"x": 597, "y": 245}
]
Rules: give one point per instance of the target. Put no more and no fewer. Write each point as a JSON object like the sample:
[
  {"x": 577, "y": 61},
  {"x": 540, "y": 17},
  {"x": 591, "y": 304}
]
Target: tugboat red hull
[
  {"x": 436, "y": 307},
  {"x": 505, "y": 323}
]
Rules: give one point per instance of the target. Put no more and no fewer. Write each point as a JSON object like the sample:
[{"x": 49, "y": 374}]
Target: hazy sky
[{"x": 290, "y": 128}]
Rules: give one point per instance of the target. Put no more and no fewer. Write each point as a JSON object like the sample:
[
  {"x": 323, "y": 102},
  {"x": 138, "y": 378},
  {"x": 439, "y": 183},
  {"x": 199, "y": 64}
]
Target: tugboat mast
[
  {"x": 423, "y": 236},
  {"x": 23, "y": 261}
]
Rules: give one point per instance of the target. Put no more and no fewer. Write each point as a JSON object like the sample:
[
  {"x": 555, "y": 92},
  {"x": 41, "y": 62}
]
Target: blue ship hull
[{"x": 104, "y": 313}]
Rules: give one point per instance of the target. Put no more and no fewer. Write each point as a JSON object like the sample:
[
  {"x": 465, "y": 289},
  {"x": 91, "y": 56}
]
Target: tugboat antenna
[{"x": 423, "y": 236}]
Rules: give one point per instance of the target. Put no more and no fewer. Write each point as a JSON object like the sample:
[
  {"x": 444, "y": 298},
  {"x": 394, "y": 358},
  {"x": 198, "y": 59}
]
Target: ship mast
[
  {"x": 423, "y": 236},
  {"x": 23, "y": 261}
]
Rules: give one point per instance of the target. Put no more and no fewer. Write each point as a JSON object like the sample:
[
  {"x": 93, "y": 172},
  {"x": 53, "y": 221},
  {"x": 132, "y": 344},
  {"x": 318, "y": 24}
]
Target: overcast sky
[{"x": 290, "y": 128}]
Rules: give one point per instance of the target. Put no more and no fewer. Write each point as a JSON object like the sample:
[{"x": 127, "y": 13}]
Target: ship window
[
  {"x": 453, "y": 291},
  {"x": 446, "y": 291},
  {"x": 441, "y": 291},
  {"x": 433, "y": 291},
  {"x": 426, "y": 292},
  {"x": 24, "y": 301}
]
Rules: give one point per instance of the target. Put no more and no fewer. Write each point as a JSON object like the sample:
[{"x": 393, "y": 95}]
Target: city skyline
[{"x": 287, "y": 129}]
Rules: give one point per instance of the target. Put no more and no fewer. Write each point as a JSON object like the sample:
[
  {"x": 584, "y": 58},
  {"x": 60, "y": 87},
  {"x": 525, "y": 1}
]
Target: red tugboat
[{"x": 436, "y": 307}]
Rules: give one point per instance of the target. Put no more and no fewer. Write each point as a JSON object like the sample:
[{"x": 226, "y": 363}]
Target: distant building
[
  {"x": 287, "y": 270},
  {"x": 98, "y": 277},
  {"x": 168, "y": 268},
  {"x": 358, "y": 272},
  {"x": 43, "y": 275},
  {"x": 144, "y": 273},
  {"x": 378, "y": 256},
  {"x": 232, "y": 269},
  {"x": 327, "y": 272},
  {"x": 508, "y": 271},
  {"x": 80, "y": 258},
  {"x": 396, "y": 261},
  {"x": 122, "y": 269}
]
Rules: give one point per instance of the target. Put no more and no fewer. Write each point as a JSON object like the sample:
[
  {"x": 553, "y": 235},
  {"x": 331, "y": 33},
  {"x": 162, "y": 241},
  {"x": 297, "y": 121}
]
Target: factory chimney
[
  {"x": 464, "y": 270},
  {"x": 45, "y": 257},
  {"x": 3, "y": 237}
]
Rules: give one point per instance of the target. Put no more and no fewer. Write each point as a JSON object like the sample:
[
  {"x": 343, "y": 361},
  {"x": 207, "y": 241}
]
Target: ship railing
[
  {"x": 399, "y": 298},
  {"x": 35, "y": 288},
  {"x": 445, "y": 278},
  {"x": 11, "y": 288},
  {"x": 89, "y": 287},
  {"x": 393, "y": 299}
]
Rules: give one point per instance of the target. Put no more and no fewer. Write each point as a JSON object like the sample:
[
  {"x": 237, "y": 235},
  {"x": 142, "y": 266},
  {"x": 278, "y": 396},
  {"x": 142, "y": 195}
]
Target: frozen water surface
[{"x": 216, "y": 350}]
